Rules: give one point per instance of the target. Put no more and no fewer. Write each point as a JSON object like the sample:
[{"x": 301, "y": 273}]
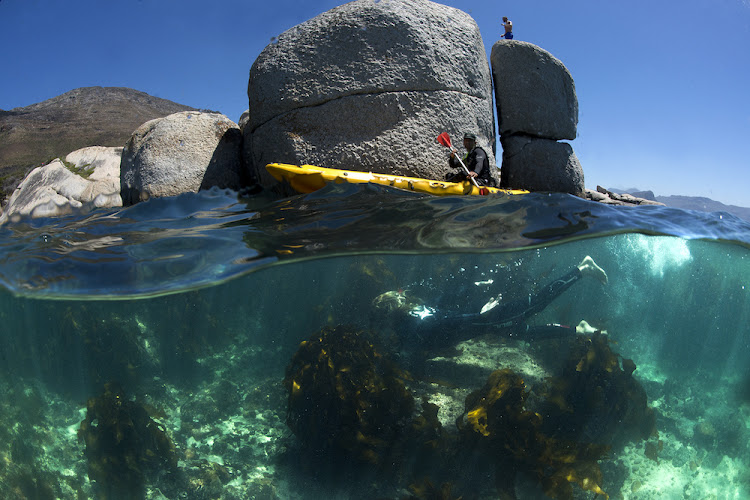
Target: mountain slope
[
  {"x": 704, "y": 205},
  {"x": 91, "y": 116},
  {"x": 689, "y": 202}
]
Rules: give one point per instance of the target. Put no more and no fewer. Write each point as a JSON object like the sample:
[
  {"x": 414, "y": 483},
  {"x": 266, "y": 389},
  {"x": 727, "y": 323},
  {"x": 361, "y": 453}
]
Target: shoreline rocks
[
  {"x": 365, "y": 86},
  {"x": 55, "y": 189},
  {"x": 605, "y": 196}
]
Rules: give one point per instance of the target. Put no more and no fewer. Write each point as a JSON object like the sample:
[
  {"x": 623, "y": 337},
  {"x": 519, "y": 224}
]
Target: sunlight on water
[
  {"x": 332, "y": 346},
  {"x": 661, "y": 253}
]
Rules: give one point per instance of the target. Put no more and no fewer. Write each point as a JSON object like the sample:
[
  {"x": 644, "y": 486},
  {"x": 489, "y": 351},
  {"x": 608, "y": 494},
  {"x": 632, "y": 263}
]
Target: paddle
[{"x": 445, "y": 140}]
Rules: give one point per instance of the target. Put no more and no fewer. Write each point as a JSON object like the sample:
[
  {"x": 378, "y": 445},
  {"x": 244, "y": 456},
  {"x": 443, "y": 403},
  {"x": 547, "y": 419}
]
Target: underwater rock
[
  {"x": 346, "y": 397},
  {"x": 22, "y": 484},
  {"x": 425, "y": 490},
  {"x": 497, "y": 427},
  {"x": 593, "y": 384},
  {"x": 125, "y": 448}
]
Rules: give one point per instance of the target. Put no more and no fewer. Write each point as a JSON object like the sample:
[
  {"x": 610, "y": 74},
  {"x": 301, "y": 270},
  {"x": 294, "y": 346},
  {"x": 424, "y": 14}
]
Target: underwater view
[{"x": 365, "y": 342}]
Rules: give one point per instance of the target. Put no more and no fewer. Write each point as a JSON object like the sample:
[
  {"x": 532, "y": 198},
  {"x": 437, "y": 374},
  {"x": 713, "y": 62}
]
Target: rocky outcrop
[
  {"x": 369, "y": 86},
  {"x": 540, "y": 164},
  {"x": 92, "y": 116},
  {"x": 536, "y": 107},
  {"x": 183, "y": 152},
  {"x": 624, "y": 199},
  {"x": 87, "y": 179}
]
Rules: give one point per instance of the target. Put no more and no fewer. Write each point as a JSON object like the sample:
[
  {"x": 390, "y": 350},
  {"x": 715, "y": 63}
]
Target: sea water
[{"x": 149, "y": 352}]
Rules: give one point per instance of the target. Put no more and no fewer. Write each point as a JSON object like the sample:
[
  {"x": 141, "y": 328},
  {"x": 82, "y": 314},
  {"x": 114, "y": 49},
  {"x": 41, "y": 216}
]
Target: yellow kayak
[{"x": 309, "y": 178}]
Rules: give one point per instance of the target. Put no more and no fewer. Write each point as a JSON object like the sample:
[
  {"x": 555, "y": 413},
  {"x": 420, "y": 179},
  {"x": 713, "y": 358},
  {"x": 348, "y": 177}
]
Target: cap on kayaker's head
[{"x": 470, "y": 141}]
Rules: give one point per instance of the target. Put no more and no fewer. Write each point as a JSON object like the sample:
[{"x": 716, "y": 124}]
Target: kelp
[
  {"x": 346, "y": 396},
  {"x": 499, "y": 428},
  {"x": 125, "y": 447}
]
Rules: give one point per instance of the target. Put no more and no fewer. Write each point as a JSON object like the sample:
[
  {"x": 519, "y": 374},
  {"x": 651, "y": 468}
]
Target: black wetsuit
[
  {"x": 441, "y": 330},
  {"x": 476, "y": 161}
]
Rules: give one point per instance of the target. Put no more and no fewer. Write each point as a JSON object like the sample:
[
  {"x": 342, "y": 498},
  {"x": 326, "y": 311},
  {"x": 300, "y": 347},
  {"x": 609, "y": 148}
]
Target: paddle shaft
[
  {"x": 445, "y": 140},
  {"x": 468, "y": 174}
]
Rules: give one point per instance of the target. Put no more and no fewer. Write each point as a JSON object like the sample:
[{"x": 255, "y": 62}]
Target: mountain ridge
[
  {"x": 33, "y": 135},
  {"x": 699, "y": 203}
]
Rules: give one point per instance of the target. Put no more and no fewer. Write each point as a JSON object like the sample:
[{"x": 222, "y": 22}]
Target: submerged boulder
[
  {"x": 88, "y": 178},
  {"x": 183, "y": 152},
  {"x": 369, "y": 86}
]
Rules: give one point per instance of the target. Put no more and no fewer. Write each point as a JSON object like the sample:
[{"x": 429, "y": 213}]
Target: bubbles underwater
[{"x": 661, "y": 252}]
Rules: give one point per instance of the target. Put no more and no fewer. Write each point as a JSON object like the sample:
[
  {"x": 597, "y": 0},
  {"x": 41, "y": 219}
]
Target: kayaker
[
  {"x": 420, "y": 326},
  {"x": 476, "y": 161}
]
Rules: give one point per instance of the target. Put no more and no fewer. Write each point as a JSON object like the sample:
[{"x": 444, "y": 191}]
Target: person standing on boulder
[
  {"x": 476, "y": 161},
  {"x": 508, "y": 25}
]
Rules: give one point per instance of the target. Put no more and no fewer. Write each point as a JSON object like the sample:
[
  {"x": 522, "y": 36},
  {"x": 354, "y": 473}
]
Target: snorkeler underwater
[
  {"x": 313, "y": 348},
  {"x": 424, "y": 326}
]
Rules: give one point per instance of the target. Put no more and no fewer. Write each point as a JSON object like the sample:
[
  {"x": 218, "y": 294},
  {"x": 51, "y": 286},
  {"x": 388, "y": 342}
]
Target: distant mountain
[
  {"x": 704, "y": 205},
  {"x": 89, "y": 116},
  {"x": 691, "y": 203}
]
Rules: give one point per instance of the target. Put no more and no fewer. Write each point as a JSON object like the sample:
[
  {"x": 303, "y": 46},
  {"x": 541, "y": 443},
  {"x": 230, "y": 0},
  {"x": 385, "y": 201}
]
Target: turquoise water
[{"x": 155, "y": 351}]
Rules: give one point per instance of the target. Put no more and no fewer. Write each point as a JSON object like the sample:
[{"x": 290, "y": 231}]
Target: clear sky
[{"x": 663, "y": 85}]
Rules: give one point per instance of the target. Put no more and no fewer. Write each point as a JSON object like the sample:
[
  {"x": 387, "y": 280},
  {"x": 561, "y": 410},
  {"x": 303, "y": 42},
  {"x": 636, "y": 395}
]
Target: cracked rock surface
[
  {"x": 536, "y": 107},
  {"x": 363, "y": 85}
]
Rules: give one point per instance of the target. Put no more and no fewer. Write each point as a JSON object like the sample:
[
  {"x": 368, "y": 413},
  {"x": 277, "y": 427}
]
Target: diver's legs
[{"x": 515, "y": 311}]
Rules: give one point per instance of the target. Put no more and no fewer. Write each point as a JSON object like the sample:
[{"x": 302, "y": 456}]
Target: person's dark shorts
[{"x": 509, "y": 36}]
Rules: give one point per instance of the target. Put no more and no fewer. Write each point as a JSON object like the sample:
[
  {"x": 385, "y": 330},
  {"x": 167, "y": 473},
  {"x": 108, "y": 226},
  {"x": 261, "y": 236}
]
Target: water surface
[{"x": 186, "y": 315}]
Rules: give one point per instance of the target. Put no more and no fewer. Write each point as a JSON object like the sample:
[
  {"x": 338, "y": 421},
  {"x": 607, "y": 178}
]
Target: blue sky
[{"x": 662, "y": 85}]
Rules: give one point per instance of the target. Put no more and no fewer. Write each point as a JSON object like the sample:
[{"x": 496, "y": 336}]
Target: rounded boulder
[
  {"x": 534, "y": 92},
  {"x": 541, "y": 165},
  {"x": 369, "y": 86},
  {"x": 180, "y": 153}
]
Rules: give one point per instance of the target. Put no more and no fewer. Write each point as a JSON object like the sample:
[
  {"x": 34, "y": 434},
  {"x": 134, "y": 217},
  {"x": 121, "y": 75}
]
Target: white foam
[{"x": 661, "y": 252}]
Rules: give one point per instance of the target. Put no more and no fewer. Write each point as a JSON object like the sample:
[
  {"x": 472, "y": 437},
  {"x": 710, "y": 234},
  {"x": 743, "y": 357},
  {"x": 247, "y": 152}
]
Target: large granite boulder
[
  {"x": 180, "y": 153},
  {"x": 536, "y": 106},
  {"x": 87, "y": 179},
  {"x": 369, "y": 86},
  {"x": 534, "y": 92},
  {"x": 102, "y": 164},
  {"x": 541, "y": 165}
]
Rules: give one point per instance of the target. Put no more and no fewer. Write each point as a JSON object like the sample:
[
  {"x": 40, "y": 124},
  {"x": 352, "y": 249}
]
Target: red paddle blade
[
  {"x": 484, "y": 191},
  {"x": 445, "y": 140}
]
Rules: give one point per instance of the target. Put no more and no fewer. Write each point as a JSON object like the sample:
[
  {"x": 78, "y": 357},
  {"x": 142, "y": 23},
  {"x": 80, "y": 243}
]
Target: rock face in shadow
[
  {"x": 541, "y": 165},
  {"x": 369, "y": 86},
  {"x": 536, "y": 106},
  {"x": 181, "y": 153}
]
